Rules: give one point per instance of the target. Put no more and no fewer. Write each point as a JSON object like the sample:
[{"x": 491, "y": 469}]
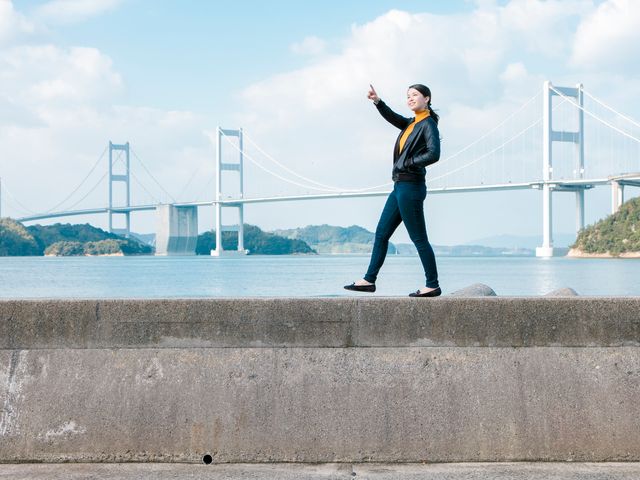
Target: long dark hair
[{"x": 424, "y": 90}]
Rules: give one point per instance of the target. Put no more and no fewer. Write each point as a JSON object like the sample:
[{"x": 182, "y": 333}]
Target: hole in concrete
[{"x": 207, "y": 459}]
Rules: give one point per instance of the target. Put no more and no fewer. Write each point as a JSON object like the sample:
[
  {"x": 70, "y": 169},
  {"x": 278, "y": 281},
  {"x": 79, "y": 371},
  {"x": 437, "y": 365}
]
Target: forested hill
[
  {"x": 16, "y": 240},
  {"x": 64, "y": 240},
  {"x": 618, "y": 234},
  {"x": 255, "y": 240},
  {"x": 74, "y": 240}
]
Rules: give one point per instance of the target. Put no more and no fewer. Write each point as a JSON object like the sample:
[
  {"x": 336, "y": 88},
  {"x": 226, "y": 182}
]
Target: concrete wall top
[{"x": 326, "y": 322}]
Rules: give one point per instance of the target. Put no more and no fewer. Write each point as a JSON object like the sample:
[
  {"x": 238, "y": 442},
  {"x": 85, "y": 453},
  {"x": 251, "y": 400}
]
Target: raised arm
[{"x": 389, "y": 115}]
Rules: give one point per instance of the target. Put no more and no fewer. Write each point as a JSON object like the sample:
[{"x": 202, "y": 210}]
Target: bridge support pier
[
  {"x": 177, "y": 230},
  {"x": 546, "y": 250},
  {"x": 579, "y": 210},
  {"x": 617, "y": 196}
]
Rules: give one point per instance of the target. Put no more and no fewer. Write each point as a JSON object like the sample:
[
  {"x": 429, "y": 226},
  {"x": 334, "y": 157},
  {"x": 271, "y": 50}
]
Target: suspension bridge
[{"x": 562, "y": 139}]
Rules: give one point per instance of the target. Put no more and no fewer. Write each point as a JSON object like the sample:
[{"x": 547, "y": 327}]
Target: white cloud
[
  {"x": 481, "y": 66},
  {"x": 58, "y": 110},
  {"x": 70, "y": 11},
  {"x": 609, "y": 37},
  {"x": 15, "y": 114},
  {"x": 60, "y": 151},
  {"x": 514, "y": 72},
  {"x": 12, "y": 24},
  {"x": 460, "y": 57},
  {"x": 309, "y": 46},
  {"x": 544, "y": 26},
  {"x": 60, "y": 106},
  {"x": 39, "y": 75}
]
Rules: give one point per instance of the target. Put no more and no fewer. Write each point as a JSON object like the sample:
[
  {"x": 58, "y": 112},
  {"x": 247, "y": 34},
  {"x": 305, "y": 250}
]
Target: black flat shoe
[
  {"x": 432, "y": 293},
  {"x": 361, "y": 288}
]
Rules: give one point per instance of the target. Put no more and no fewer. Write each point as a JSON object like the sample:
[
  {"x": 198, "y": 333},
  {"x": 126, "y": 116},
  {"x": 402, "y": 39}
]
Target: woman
[{"x": 417, "y": 146}]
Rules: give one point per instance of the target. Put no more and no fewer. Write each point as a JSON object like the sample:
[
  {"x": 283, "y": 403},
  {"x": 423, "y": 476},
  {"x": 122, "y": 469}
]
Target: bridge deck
[{"x": 626, "y": 179}]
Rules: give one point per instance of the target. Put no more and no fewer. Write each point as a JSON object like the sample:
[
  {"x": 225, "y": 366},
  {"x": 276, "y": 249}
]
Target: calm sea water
[{"x": 316, "y": 276}]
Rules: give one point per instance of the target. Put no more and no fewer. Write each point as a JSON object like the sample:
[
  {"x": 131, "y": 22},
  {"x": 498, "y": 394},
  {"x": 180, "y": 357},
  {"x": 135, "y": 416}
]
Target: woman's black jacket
[{"x": 422, "y": 147}]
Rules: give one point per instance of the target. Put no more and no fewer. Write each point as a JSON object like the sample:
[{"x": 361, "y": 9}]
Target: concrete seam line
[{"x": 332, "y": 347}]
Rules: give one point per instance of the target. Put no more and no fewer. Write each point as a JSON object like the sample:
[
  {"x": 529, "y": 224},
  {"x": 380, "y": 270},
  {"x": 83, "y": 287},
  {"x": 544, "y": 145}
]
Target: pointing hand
[{"x": 372, "y": 95}]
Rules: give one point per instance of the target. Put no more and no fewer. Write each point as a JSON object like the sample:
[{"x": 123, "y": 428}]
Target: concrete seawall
[{"x": 320, "y": 380}]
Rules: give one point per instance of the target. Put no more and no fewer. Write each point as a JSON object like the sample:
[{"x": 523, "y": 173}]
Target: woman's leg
[
  {"x": 389, "y": 221},
  {"x": 411, "y": 205}
]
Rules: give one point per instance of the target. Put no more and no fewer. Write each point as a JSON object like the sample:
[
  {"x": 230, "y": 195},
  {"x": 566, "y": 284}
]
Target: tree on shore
[
  {"x": 16, "y": 240},
  {"x": 65, "y": 249}
]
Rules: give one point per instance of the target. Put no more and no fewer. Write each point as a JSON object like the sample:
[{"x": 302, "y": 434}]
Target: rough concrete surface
[
  {"x": 320, "y": 380},
  {"x": 466, "y": 471},
  {"x": 437, "y": 404},
  {"x": 336, "y": 322}
]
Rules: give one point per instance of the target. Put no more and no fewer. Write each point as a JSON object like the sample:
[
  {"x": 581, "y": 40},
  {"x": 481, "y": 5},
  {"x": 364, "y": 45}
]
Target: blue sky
[
  {"x": 203, "y": 50},
  {"x": 163, "y": 74}
]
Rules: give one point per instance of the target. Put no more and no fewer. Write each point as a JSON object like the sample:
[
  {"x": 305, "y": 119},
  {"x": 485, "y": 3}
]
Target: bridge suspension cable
[
  {"x": 270, "y": 172},
  {"x": 600, "y": 102},
  {"x": 329, "y": 188},
  {"x": 151, "y": 175},
  {"x": 22, "y": 207},
  {"x": 284, "y": 167},
  {"x": 73, "y": 192},
  {"x": 204, "y": 188},
  {"x": 86, "y": 194},
  {"x": 191, "y": 179},
  {"x": 499, "y": 147},
  {"x": 293, "y": 182},
  {"x": 481, "y": 157},
  {"x": 95, "y": 165},
  {"x": 485, "y": 135},
  {"x": 153, "y": 197},
  {"x": 511, "y": 149},
  {"x": 604, "y": 122}
]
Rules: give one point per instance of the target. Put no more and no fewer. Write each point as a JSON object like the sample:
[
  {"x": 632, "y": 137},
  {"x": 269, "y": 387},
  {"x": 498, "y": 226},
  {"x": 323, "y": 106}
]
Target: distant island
[
  {"x": 481, "y": 251},
  {"x": 86, "y": 240},
  {"x": 329, "y": 239},
  {"x": 64, "y": 240},
  {"x": 256, "y": 241},
  {"x": 618, "y": 235}
]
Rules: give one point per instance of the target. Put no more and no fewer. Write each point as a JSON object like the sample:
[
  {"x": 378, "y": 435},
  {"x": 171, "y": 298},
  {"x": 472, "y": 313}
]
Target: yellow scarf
[{"x": 419, "y": 117}]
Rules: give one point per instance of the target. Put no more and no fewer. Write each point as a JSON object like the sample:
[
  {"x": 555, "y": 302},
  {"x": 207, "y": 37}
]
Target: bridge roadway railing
[
  {"x": 631, "y": 179},
  {"x": 320, "y": 380}
]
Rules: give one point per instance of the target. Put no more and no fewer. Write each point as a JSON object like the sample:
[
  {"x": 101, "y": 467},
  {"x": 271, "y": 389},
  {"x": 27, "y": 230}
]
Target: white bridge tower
[
  {"x": 549, "y": 135},
  {"x": 219, "y": 194},
  {"x": 123, "y": 177}
]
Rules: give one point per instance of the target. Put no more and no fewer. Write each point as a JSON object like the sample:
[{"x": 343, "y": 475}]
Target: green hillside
[
  {"x": 78, "y": 240},
  {"x": 15, "y": 240},
  {"x": 64, "y": 240},
  {"x": 617, "y": 234},
  {"x": 255, "y": 240}
]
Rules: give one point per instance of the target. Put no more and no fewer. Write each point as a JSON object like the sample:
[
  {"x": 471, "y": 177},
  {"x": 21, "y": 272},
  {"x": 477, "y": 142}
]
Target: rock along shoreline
[{"x": 577, "y": 253}]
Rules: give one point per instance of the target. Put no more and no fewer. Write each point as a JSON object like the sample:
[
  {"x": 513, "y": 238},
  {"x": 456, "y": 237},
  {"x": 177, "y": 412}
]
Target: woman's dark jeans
[{"x": 405, "y": 204}]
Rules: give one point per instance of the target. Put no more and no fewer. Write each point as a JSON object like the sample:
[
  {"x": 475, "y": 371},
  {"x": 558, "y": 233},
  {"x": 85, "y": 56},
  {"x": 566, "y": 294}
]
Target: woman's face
[{"x": 416, "y": 101}]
